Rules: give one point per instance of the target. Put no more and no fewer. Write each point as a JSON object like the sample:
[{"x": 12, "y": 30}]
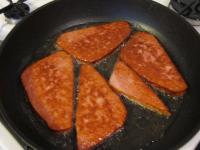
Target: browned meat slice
[
  {"x": 93, "y": 43},
  {"x": 126, "y": 81},
  {"x": 146, "y": 56},
  {"x": 100, "y": 111},
  {"x": 49, "y": 84}
]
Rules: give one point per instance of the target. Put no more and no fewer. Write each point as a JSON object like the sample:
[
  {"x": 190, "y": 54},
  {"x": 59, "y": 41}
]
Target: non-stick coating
[{"x": 25, "y": 43}]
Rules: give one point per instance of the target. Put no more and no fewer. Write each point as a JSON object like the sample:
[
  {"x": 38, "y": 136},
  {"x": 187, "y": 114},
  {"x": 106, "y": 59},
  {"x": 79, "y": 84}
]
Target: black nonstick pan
[{"x": 34, "y": 37}]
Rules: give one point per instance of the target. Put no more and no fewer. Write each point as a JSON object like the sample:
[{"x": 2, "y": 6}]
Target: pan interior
[{"x": 34, "y": 38}]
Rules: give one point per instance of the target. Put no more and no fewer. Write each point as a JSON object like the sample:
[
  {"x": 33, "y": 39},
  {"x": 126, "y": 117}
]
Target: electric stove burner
[
  {"x": 190, "y": 9},
  {"x": 16, "y": 10}
]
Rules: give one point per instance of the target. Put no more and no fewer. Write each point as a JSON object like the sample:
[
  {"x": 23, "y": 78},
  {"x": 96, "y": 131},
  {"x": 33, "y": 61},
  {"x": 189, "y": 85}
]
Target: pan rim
[{"x": 22, "y": 139}]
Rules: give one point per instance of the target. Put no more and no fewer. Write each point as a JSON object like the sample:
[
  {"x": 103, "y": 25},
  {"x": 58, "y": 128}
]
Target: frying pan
[{"x": 33, "y": 39}]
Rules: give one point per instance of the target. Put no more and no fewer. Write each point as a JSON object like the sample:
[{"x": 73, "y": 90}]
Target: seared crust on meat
[
  {"x": 100, "y": 111},
  {"x": 49, "y": 84},
  {"x": 144, "y": 54},
  {"x": 126, "y": 81},
  {"x": 93, "y": 43}
]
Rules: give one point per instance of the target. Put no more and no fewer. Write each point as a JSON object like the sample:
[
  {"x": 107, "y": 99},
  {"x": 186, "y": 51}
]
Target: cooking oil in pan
[{"x": 142, "y": 127}]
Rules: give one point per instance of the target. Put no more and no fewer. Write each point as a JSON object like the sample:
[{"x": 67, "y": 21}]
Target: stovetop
[
  {"x": 12, "y": 11},
  {"x": 15, "y": 10}
]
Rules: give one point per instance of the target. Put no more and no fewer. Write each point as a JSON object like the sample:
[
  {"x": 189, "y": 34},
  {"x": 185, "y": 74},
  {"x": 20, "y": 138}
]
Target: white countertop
[{"x": 7, "y": 141}]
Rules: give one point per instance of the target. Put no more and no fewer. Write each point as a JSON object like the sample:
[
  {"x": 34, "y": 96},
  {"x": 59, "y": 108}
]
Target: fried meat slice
[
  {"x": 127, "y": 82},
  {"x": 100, "y": 111},
  {"x": 93, "y": 43},
  {"x": 49, "y": 84},
  {"x": 145, "y": 55}
]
